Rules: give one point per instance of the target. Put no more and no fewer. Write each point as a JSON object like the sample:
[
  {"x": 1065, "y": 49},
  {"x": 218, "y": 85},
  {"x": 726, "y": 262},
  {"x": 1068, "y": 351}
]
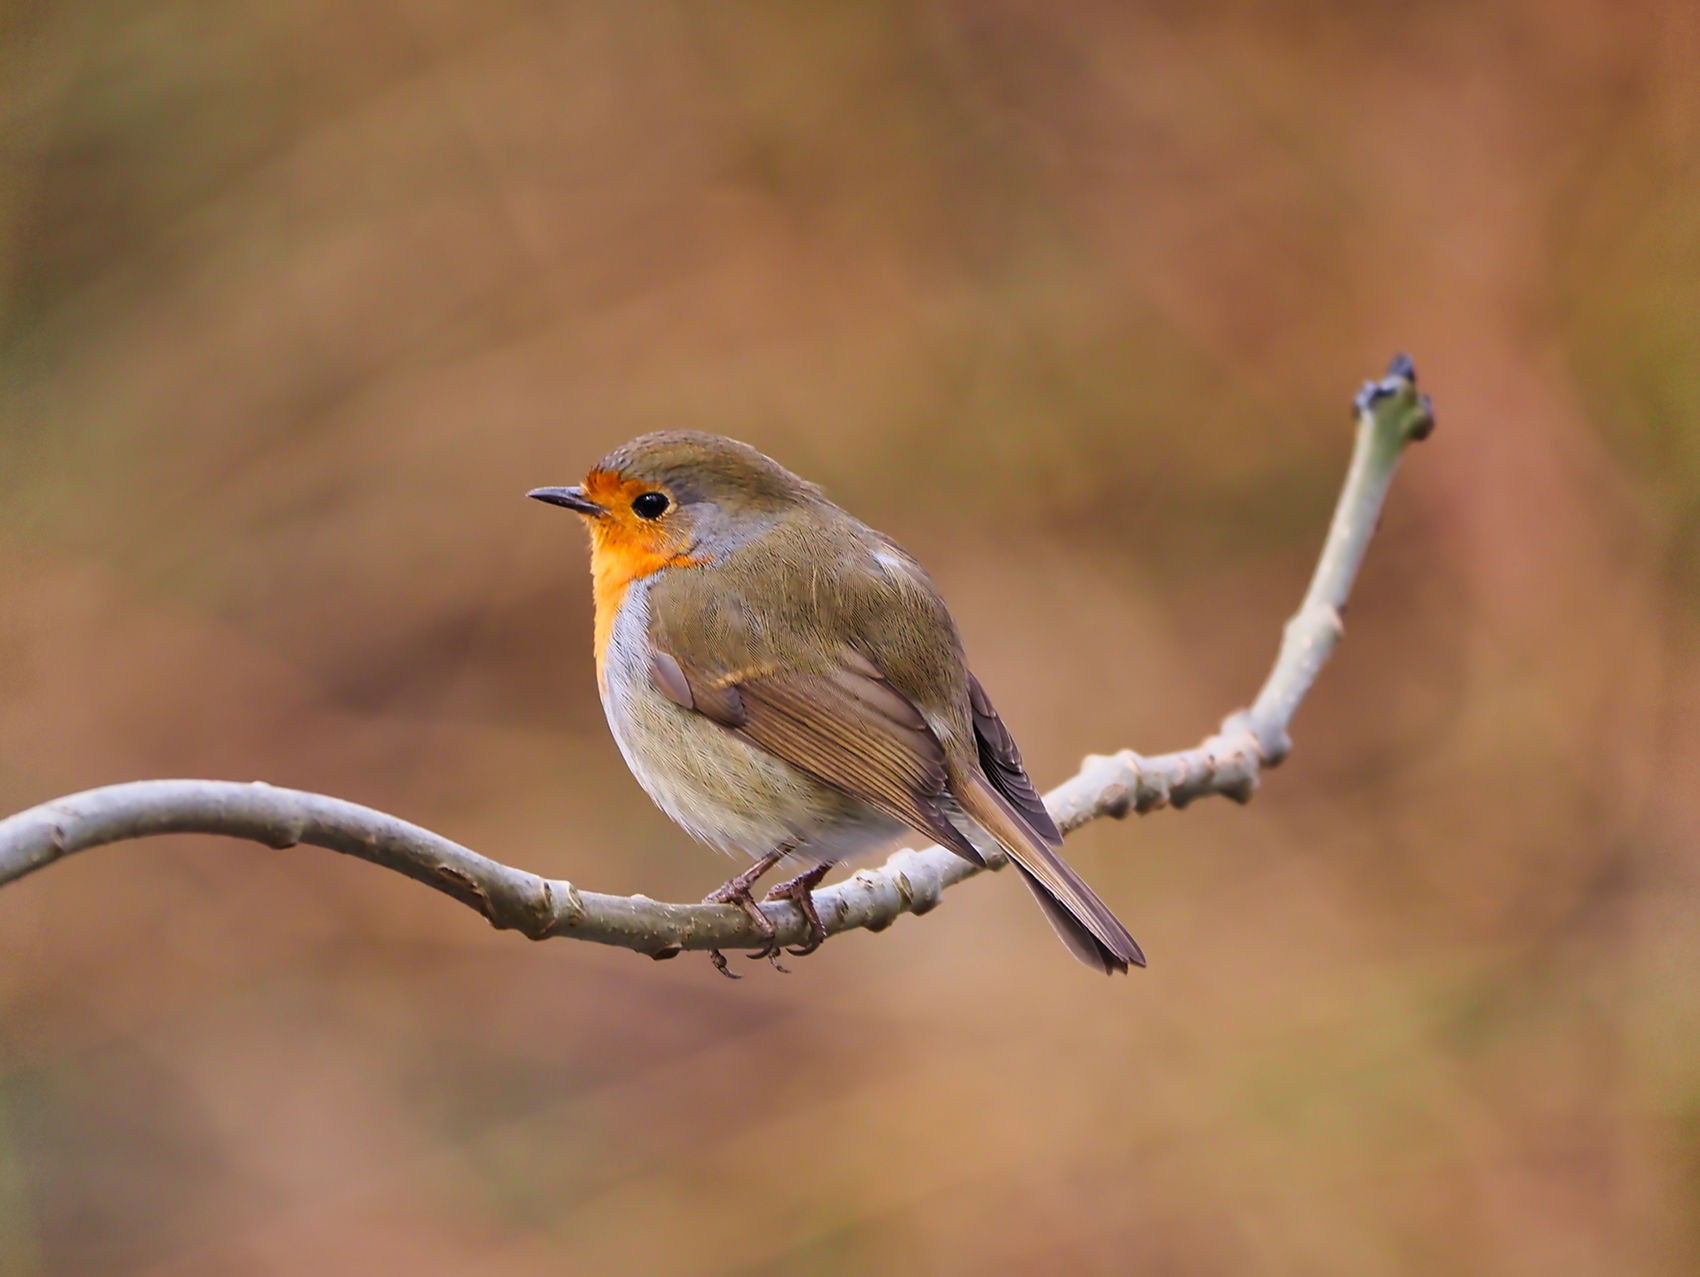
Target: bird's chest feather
[
  {"x": 690, "y": 766},
  {"x": 722, "y": 789}
]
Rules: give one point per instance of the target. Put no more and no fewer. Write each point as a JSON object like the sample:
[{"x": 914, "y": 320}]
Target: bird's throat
[{"x": 615, "y": 562}]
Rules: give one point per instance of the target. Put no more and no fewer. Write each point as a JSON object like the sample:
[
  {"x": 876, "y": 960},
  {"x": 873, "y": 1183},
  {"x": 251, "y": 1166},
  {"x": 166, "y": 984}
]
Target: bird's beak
[{"x": 571, "y": 498}]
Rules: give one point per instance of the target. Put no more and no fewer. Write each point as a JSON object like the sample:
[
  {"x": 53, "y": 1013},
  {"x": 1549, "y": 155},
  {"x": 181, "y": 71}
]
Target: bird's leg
[
  {"x": 800, "y": 890},
  {"x": 736, "y": 891}
]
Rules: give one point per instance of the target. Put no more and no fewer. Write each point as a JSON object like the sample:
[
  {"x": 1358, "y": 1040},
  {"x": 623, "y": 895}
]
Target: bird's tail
[{"x": 1083, "y": 922}]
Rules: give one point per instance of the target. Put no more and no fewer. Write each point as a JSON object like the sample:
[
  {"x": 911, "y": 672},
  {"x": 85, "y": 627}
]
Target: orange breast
[
  {"x": 623, "y": 549},
  {"x": 613, "y": 568}
]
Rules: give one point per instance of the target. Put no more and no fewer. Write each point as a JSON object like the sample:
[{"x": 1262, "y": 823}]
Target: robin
[{"x": 784, "y": 681}]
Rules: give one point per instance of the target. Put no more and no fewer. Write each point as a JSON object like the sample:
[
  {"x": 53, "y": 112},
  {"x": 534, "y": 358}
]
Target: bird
[{"x": 786, "y": 682}]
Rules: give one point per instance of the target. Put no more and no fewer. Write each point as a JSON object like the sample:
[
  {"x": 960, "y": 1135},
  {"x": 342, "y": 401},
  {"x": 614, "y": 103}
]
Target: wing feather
[
  {"x": 847, "y": 728},
  {"x": 1001, "y": 761}
]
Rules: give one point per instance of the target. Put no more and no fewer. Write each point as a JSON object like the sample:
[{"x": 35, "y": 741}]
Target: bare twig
[{"x": 1391, "y": 414}]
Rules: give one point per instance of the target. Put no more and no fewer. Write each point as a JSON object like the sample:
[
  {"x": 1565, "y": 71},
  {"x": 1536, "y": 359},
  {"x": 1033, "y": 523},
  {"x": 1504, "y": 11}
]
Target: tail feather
[
  {"x": 1084, "y": 922},
  {"x": 1081, "y": 942}
]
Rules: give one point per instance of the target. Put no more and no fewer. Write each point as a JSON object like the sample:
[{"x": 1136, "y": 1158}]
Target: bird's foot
[
  {"x": 736, "y": 891},
  {"x": 800, "y": 890}
]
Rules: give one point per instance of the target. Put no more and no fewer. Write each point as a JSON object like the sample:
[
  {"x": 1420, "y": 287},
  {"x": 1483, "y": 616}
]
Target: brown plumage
[{"x": 777, "y": 673}]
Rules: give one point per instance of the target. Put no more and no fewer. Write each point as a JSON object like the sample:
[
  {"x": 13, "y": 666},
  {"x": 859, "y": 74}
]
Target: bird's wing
[
  {"x": 849, "y": 728},
  {"x": 1001, "y": 761}
]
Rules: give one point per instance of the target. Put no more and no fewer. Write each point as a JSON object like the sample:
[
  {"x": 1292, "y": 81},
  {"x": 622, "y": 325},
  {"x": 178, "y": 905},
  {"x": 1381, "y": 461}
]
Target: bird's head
[{"x": 677, "y": 496}]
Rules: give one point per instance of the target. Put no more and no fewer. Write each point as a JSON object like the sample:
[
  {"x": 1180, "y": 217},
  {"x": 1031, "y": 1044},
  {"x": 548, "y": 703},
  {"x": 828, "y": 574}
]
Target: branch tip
[{"x": 1409, "y": 413}]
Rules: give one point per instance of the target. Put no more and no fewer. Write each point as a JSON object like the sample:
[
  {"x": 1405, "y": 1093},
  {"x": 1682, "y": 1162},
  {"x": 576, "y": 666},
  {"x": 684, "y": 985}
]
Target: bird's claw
[
  {"x": 800, "y": 891},
  {"x": 736, "y": 891},
  {"x": 771, "y": 953}
]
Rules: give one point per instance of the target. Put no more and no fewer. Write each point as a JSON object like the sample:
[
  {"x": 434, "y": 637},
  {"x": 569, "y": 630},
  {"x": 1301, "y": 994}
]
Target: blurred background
[{"x": 298, "y": 299}]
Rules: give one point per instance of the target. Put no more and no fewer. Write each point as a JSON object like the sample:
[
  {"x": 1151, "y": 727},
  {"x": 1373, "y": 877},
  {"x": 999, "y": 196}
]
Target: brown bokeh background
[{"x": 298, "y": 299}]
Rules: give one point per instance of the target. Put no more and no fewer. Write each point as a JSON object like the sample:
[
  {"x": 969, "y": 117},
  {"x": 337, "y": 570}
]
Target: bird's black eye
[{"x": 650, "y": 505}]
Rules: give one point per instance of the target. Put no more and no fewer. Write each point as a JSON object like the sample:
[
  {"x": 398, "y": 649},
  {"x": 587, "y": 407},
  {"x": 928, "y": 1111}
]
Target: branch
[{"x": 1391, "y": 414}]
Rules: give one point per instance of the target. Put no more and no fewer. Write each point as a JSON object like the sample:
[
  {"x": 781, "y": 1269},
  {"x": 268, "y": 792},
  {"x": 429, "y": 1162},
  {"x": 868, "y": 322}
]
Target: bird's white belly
[{"x": 717, "y": 786}]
